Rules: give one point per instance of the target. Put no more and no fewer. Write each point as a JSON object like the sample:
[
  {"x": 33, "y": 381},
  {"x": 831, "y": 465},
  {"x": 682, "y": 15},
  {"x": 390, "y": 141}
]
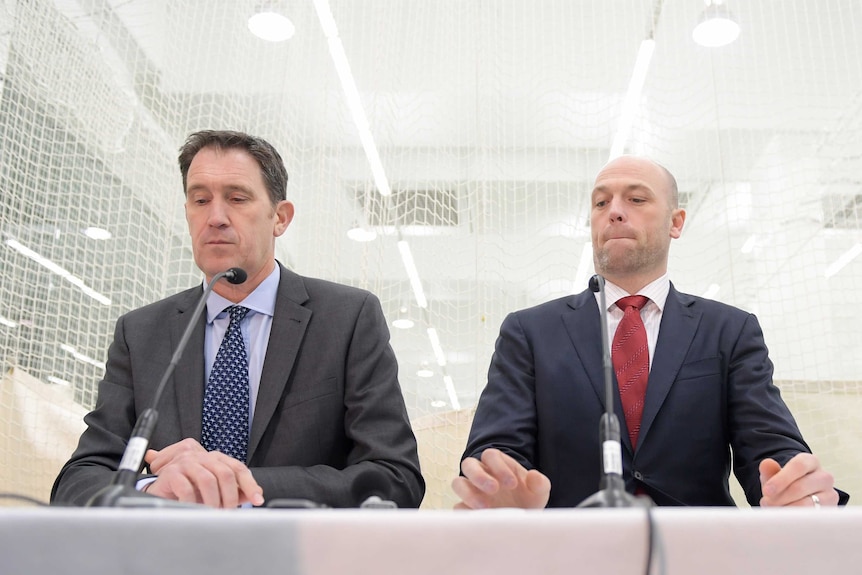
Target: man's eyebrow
[{"x": 628, "y": 188}]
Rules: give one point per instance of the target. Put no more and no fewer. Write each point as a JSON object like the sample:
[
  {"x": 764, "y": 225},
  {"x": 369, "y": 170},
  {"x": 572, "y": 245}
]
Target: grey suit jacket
[{"x": 329, "y": 425}]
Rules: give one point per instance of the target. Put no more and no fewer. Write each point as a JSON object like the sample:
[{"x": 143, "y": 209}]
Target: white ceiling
[{"x": 511, "y": 105}]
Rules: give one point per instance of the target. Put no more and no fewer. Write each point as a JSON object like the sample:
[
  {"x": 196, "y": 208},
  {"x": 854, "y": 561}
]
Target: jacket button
[{"x": 638, "y": 475}]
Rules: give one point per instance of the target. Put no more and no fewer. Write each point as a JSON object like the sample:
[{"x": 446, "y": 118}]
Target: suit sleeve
[
  {"x": 102, "y": 444},
  {"x": 380, "y": 451},
  {"x": 506, "y": 415},
  {"x": 760, "y": 423}
]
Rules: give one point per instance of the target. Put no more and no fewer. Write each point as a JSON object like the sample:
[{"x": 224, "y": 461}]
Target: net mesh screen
[{"x": 491, "y": 119}]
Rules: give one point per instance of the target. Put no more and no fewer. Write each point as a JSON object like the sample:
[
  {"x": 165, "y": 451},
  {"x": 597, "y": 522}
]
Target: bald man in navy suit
[{"x": 534, "y": 439}]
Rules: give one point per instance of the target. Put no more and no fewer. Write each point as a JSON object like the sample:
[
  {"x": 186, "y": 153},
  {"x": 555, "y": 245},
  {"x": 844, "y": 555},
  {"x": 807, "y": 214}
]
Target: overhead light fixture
[
  {"x": 843, "y": 260},
  {"x": 351, "y": 95},
  {"x": 60, "y": 271},
  {"x": 412, "y": 273},
  {"x": 424, "y": 370},
  {"x": 270, "y": 25},
  {"x": 95, "y": 233},
  {"x": 8, "y": 322},
  {"x": 717, "y": 27},
  {"x": 403, "y": 320},
  {"x": 58, "y": 381},
  {"x": 632, "y": 101},
  {"x": 81, "y": 357},
  {"x": 450, "y": 389},
  {"x": 360, "y": 233}
]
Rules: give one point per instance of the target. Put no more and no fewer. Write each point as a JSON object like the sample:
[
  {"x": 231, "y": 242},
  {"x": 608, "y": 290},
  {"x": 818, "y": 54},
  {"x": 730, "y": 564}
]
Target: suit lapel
[
  {"x": 189, "y": 373},
  {"x": 584, "y": 318},
  {"x": 679, "y": 324},
  {"x": 289, "y": 322}
]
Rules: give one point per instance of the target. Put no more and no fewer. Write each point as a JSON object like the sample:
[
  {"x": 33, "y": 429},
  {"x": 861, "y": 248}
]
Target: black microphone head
[
  {"x": 596, "y": 283},
  {"x": 236, "y": 275},
  {"x": 370, "y": 488}
]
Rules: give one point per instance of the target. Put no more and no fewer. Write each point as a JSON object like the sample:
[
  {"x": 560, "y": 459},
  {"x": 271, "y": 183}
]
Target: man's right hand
[
  {"x": 189, "y": 473},
  {"x": 497, "y": 480}
]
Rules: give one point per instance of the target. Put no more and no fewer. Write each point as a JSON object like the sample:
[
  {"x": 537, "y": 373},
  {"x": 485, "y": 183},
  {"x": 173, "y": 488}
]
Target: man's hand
[
  {"x": 187, "y": 472},
  {"x": 800, "y": 483},
  {"x": 500, "y": 481}
]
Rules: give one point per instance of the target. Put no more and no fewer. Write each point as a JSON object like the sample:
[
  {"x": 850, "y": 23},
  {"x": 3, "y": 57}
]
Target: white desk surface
[{"x": 699, "y": 541}]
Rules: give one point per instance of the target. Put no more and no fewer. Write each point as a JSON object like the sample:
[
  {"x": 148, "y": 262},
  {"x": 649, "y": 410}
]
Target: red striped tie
[{"x": 630, "y": 356}]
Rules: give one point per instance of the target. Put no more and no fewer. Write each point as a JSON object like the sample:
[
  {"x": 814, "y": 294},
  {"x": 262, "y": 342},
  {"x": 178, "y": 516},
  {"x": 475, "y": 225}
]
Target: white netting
[{"x": 491, "y": 118}]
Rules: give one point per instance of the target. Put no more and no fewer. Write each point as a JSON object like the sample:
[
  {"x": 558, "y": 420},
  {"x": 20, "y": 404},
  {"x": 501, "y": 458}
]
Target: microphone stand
[
  {"x": 121, "y": 492},
  {"x": 612, "y": 490}
]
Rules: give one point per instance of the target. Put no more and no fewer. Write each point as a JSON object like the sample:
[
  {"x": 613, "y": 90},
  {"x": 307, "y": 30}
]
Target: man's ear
[{"x": 284, "y": 215}]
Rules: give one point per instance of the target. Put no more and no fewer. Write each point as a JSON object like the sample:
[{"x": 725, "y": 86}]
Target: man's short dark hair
[{"x": 271, "y": 165}]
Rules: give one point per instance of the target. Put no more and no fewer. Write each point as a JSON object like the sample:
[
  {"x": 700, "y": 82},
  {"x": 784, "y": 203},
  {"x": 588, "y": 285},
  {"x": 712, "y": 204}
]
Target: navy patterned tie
[
  {"x": 225, "y": 413},
  {"x": 631, "y": 362}
]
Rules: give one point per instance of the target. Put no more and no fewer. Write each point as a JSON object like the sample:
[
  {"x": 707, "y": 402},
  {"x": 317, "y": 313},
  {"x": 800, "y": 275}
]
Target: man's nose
[
  {"x": 616, "y": 210},
  {"x": 217, "y": 216}
]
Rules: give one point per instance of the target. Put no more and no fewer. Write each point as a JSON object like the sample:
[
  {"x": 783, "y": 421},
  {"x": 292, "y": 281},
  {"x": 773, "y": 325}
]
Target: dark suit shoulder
[
  {"x": 708, "y": 307},
  {"x": 555, "y": 306},
  {"x": 303, "y": 289},
  {"x": 155, "y": 312}
]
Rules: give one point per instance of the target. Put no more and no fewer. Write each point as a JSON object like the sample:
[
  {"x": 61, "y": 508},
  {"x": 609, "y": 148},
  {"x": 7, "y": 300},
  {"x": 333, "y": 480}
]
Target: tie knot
[
  {"x": 635, "y": 301},
  {"x": 237, "y": 313}
]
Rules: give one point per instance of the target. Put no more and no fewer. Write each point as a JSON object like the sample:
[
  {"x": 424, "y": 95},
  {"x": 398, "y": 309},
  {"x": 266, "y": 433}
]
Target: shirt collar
[
  {"x": 261, "y": 300},
  {"x": 656, "y": 291}
]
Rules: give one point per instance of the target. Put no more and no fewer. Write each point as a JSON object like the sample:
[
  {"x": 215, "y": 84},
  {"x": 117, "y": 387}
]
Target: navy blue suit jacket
[{"x": 710, "y": 392}]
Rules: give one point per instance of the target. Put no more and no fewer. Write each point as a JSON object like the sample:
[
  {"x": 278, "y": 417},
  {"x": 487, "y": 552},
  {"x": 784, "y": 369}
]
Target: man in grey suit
[{"x": 326, "y": 417}]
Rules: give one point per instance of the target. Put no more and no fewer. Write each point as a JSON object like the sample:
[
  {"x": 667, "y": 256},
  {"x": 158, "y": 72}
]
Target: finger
[
  {"x": 248, "y": 488},
  {"x": 471, "y": 497},
  {"x": 792, "y": 472},
  {"x": 539, "y": 484},
  {"x": 159, "y": 459},
  {"x": 768, "y": 468},
  {"x": 477, "y": 474},
  {"x": 508, "y": 472}
]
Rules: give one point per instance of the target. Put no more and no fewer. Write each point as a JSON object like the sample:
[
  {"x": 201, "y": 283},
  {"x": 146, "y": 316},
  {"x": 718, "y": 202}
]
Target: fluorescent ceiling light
[
  {"x": 351, "y": 94},
  {"x": 271, "y": 26},
  {"x": 749, "y": 244},
  {"x": 81, "y": 357},
  {"x": 717, "y": 26},
  {"x": 62, "y": 272},
  {"x": 424, "y": 371},
  {"x": 843, "y": 260},
  {"x": 435, "y": 345},
  {"x": 631, "y": 103},
  {"x": 450, "y": 389},
  {"x": 403, "y": 320},
  {"x": 8, "y": 322},
  {"x": 412, "y": 274},
  {"x": 361, "y": 234},
  {"x": 58, "y": 381},
  {"x": 97, "y": 233}
]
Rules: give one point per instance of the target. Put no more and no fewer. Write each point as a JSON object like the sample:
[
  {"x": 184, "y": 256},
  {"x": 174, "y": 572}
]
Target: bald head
[
  {"x": 634, "y": 217},
  {"x": 631, "y": 164}
]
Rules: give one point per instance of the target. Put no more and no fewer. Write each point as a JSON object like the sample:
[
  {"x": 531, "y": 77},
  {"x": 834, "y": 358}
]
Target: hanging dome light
[
  {"x": 270, "y": 25},
  {"x": 717, "y": 26}
]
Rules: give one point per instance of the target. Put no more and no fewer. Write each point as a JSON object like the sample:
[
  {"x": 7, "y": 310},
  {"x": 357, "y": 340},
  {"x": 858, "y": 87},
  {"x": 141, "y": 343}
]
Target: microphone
[
  {"x": 369, "y": 490},
  {"x": 612, "y": 490},
  {"x": 121, "y": 491}
]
